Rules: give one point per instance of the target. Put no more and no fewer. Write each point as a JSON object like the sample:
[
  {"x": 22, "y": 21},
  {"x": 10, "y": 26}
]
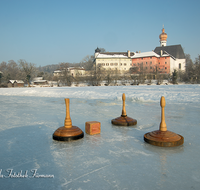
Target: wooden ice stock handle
[
  {"x": 163, "y": 126},
  {"x": 68, "y": 121},
  {"x": 123, "y": 108}
]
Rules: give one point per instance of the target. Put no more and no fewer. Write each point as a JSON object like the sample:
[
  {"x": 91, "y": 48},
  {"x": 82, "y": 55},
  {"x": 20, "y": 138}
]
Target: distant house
[
  {"x": 74, "y": 71},
  {"x": 15, "y": 83},
  {"x": 53, "y": 83},
  {"x": 57, "y": 73},
  {"x": 39, "y": 81}
]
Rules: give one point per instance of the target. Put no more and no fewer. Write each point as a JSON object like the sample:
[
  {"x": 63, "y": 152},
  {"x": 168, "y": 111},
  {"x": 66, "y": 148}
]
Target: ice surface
[{"x": 118, "y": 158}]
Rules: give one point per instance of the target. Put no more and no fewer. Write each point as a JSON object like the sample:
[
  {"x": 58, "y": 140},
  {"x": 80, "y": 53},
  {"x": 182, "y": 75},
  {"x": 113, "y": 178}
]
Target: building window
[
  {"x": 142, "y": 58},
  {"x": 150, "y": 57},
  {"x": 130, "y": 64},
  {"x": 150, "y": 67},
  {"x": 146, "y": 63},
  {"x": 165, "y": 67},
  {"x": 116, "y": 64},
  {"x": 138, "y": 63},
  {"x": 111, "y": 64},
  {"x": 107, "y": 64},
  {"x": 124, "y": 64},
  {"x": 150, "y": 63},
  {"x": 146, "y": 67},
  {"x": 124, "y": 68},
  {"x": 165, "y": 62},
  {"x": 179, "y": 65},
  {"x": 159, "y": 63},
  {"x": 121, "y": 64}
]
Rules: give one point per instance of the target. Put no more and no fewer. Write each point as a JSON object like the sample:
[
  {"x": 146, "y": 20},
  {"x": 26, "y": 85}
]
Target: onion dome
[
  {"x": 97, "y": 50},
  {"x": 163, "y": 35}
]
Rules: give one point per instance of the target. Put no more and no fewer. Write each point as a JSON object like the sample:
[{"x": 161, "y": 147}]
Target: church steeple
[
  {"x": 163, "y": 38},
  {"x": 97, "y": 52}
]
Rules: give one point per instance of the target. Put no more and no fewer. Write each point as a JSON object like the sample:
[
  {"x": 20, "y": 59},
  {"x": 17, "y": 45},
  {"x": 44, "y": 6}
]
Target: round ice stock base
[
  {"x": 124, "y": 120},
  {"x": 65, "y": 134},
  {"x": 163, "y": 137},
  {"x": 68, "y": 132}
]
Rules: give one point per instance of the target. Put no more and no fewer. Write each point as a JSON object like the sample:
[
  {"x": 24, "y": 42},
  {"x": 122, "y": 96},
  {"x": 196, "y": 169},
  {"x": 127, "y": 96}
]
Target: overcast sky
[{"x": 48, "y": 32}]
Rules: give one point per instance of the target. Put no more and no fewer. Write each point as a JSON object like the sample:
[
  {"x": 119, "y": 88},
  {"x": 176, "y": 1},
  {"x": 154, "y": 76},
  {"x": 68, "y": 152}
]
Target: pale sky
[{"x": 48, "y": 32}]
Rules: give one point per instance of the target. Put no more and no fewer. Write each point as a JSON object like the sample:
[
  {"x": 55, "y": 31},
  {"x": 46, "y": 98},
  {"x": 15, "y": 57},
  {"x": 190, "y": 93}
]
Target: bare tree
[
  {"x": 66, "y": 78},
  {"x": 27, "y": 70},
  {"x": 109, "y": 77},
  {"x": 13, "y": 70},
  {"x": 96, "y": 76},
  {"x": 1, "y": 74},
  {"x": 63, "y": 65},
  {"x": 197, "y": 69},
  {"x": 87, "y": 62},
  {"x": 102, "y": 50},
  {"x": 189, "y": 73},
  {"x": 4, "y": 72}
]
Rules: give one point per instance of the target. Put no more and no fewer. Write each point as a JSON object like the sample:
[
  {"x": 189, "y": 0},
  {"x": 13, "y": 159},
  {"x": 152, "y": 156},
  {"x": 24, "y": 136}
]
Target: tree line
[
  {"x": 23, "y": 70},
  {"x": 26, "y": 71}
]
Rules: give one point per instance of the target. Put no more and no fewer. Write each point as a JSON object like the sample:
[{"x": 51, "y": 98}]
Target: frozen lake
[{"x": 118, "y": 158}]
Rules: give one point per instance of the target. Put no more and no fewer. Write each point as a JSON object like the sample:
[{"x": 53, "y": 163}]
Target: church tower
[
  {"x": 163, "y": 38},
  {"x": 97, "y": 52}
]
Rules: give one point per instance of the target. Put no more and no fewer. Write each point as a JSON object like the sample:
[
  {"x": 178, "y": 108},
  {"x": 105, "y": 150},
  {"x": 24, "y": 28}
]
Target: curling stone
[
  {"x": 68, "y": 132},
  {"x": 124, "y": 120},
  {"x": 163, "y": 137}
]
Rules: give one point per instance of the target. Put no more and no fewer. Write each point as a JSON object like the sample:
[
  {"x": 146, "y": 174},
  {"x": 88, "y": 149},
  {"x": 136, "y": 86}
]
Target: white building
[{"x": 113, "y": 60}]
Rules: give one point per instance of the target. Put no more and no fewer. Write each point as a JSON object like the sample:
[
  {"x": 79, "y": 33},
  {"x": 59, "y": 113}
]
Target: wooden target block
[{"x": 92, "y": 127}]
